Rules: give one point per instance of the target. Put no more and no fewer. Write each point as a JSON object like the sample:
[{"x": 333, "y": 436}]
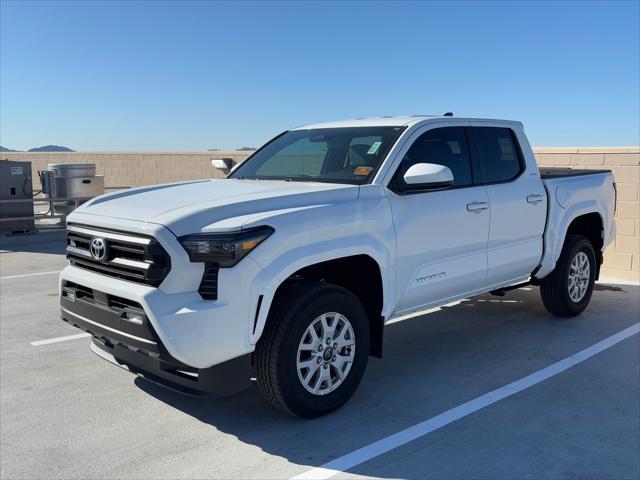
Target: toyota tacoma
[{"x": 286, "y": 271}]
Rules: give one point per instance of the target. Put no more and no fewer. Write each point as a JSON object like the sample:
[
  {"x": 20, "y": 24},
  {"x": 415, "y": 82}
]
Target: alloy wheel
[
  {"x": 325, "y": 353},
  {"x": 579, "y": 275}
]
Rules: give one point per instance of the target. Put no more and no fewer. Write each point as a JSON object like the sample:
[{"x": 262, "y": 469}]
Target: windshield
[{"x": 334, "y": 155}]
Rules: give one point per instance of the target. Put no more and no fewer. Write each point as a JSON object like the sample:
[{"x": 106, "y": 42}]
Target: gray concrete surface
[{"x": 65, "y": 413}]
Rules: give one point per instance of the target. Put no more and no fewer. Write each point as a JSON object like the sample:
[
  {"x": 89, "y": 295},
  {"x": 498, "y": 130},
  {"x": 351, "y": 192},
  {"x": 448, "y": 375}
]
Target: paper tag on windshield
[
  {"x": 362, "y": 171},
  {"x": 374, "y": 148}
]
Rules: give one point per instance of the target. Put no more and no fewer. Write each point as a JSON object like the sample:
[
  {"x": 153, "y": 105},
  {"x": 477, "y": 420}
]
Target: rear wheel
[
  {"x": 314, "y": 350},
  {"x": 567, "y": 290}
]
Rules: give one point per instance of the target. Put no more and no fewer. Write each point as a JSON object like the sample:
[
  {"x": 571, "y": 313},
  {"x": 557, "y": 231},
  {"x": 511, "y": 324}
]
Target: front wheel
[
  {"x": 567, "y": 290},
  {"x": 314, "y": 350}
]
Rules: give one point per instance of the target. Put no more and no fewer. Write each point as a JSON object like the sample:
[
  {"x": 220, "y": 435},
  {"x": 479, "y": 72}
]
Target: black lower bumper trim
[
  {"x": 123, "y": 334},
  {"x": 98, "y": 327},
  {"x": 218, "y": 381}
]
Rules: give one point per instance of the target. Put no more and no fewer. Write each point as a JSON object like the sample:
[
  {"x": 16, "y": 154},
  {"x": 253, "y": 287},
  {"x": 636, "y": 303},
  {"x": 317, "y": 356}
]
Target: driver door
[{"x": 441, "y": 234}]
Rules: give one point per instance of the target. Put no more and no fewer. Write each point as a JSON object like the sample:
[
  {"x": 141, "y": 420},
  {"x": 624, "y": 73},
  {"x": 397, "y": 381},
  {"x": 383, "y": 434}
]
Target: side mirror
[
  {"x": 224, "y": 164},
  {"x": 425, "y": 176}
]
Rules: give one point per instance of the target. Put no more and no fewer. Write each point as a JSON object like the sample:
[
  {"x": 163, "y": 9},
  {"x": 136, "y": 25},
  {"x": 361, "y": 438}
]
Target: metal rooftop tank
[{"x": 74, "y": 180}]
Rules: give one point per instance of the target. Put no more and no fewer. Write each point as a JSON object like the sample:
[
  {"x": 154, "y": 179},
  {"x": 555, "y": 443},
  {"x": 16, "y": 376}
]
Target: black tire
[
  {"x": 276, "y": 352},
  {"x": 554, "y": 288}
]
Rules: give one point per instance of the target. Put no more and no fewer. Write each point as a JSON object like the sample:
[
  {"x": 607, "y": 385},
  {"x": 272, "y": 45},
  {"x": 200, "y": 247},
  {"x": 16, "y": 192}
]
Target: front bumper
[
  {"x": 196, "y": 332},
  {"x": 123, "y": 335}
]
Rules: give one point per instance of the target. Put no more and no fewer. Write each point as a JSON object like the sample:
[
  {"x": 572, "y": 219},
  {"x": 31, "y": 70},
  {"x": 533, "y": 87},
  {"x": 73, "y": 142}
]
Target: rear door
[
  {"x": 441, "y": 234},
  {"x": 518, "y": 203}
]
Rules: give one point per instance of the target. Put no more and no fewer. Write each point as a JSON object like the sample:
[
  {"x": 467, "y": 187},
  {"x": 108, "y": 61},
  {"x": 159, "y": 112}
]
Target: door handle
[
  {"x": 535, "y": 198},
  {"x": 477, "y": 207}
]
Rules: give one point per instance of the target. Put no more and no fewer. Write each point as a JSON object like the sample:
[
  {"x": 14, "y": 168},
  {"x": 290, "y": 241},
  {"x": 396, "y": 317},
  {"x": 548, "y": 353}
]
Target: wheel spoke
[
  {"x": 312, "y": 370},
  {"x": 576, "y": 264},
  {"x": 328, "y": 325},
  {"x": 340, "y": 340},
  {"x": 323, "y": 378},
  {"x": 341, "y": 361},
  {"x": 339, "y": 373},
  {"x": 318, "y": 385},
  {"x": 315, "y": 340},
  {"x": 310, "y": 363},
  {"x": 345, "y": 337}
]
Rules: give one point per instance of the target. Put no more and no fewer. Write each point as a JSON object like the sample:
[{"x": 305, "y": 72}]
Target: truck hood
[{"x": 190, "y": 207}]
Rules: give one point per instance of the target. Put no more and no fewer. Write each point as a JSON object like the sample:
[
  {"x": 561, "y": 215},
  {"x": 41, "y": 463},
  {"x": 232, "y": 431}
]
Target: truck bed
[
  {"x": 571, "y": 194},
  {"x": 560, "y": 172}
]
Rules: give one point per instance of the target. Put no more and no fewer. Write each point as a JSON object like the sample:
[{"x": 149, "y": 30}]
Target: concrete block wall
[
  {"x": 133, "y": 169},
  {"x": 622, "y": 257}
]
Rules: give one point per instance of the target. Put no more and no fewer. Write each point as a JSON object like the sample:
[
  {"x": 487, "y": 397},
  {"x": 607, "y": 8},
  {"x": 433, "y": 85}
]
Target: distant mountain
[
  {"x": 5, "y": 149},
  {"x": 246, "y": 149},
  {"x": 51, "y": 148}
]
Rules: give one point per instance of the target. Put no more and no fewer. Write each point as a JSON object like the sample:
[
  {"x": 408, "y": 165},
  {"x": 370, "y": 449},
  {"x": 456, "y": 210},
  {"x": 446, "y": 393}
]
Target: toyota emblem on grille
[{"x": 98, "y": 249}]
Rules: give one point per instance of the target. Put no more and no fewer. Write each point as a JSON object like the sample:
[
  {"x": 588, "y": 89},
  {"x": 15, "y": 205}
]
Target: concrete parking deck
[{"x": 65, "y": 413}]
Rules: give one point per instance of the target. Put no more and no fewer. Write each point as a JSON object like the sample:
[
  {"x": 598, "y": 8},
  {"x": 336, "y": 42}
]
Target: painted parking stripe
[
  {"x": 9, "y": 277},
  {"x": 59, "y": 339},
  {"x": 421, "y": 429}
]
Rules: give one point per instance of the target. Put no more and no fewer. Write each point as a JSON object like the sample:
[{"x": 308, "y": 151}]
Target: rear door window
[{"x": 498, "y": 154}]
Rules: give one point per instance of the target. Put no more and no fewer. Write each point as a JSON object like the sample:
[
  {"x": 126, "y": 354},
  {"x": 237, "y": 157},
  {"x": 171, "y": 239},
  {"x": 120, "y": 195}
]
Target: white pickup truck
[{"x": 288, "y": 270}]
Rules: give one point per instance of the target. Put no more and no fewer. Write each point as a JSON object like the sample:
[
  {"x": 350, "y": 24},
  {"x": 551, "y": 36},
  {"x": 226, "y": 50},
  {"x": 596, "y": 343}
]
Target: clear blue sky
[{"x": 198, "y": 75}]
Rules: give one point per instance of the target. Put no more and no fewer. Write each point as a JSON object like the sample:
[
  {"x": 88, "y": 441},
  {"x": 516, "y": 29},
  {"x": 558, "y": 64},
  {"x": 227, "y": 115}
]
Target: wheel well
[
  {"x": 591, "y": 227},
  {"x": 360, "y": 274}
]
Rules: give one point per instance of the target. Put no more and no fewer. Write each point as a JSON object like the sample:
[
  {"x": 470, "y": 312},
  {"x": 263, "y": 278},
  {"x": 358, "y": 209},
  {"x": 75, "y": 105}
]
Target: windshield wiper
[{"x": 301, "y": 178}]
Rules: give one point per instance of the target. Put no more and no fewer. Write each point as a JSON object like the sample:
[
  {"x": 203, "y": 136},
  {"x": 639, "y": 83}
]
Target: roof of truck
[{"x": 392, "y": 121}]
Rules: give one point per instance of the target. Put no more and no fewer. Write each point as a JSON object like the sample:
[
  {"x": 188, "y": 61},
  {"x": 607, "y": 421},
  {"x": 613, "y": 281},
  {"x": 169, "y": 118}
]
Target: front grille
[{"x": 132, "y": 257}]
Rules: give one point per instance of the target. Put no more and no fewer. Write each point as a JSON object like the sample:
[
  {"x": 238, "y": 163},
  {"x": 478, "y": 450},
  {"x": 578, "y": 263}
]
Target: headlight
[{"x": 223, "y": 249}]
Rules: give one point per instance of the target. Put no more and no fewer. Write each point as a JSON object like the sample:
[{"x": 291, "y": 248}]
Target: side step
[{"x": 501, "y": 292}]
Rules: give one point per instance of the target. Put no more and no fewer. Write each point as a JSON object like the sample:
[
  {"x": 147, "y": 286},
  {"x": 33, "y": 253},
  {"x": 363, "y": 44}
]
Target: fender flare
[
  {"x": 274, "y": 274},
  {"x": 556, "y": 233}
]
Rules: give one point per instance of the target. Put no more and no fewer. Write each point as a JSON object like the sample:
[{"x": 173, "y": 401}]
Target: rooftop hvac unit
[{"x": 70, "y": 180}]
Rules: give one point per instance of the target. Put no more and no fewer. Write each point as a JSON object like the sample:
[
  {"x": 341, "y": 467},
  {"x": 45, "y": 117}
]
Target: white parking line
[
  {"x": 9, "y": 277},
  {"x": 59, "y": 339},
  {"x": 407, "y": 435}
]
